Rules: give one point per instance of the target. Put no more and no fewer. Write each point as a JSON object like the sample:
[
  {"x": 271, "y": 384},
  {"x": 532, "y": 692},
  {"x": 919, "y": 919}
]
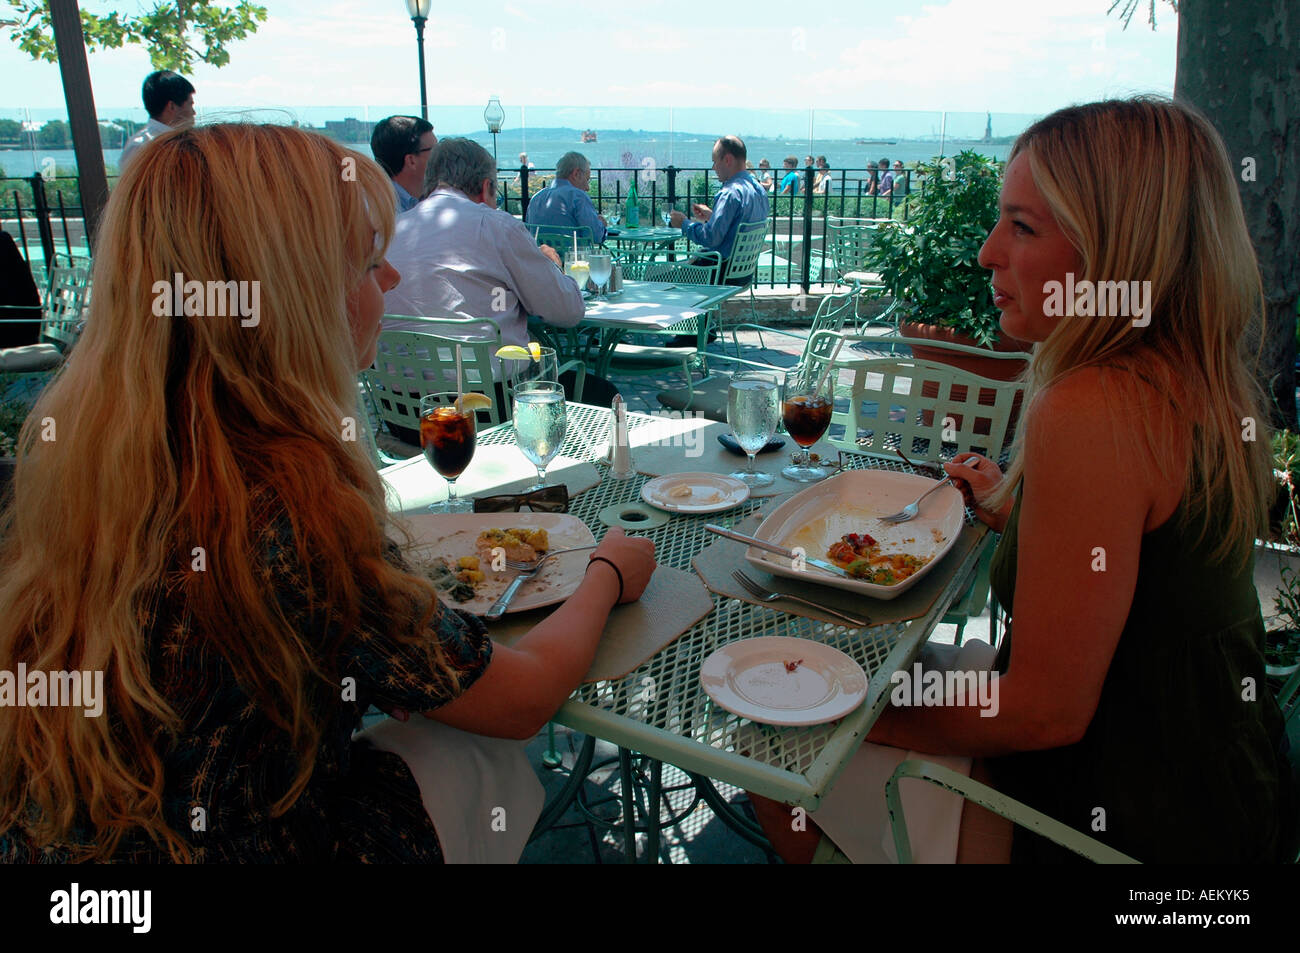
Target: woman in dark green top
[{"x": 1133, "y": 705}]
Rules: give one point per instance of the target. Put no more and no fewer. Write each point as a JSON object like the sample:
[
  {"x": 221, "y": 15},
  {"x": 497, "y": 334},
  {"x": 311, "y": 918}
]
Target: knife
[{"x": 779, "y": 550}]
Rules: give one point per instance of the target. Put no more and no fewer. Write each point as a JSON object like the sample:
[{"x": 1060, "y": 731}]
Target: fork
[
  {"x": 764, "y": 595},
  {"x": 526, "y": 571},
  {"x": 910, "y": 511}
]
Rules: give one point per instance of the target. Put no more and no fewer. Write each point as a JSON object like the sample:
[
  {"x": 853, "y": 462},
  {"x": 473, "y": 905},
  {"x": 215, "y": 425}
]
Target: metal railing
[
  {"x": 44, "y": 214},
  {"x": 796, "y": 223},
  {"x": 44, "y": 217}
]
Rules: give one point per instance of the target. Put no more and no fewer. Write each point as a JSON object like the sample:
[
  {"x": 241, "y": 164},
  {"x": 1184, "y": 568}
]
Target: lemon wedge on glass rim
[
  {"x": 513, "y": 352},
  {"x": 472, "y": 401}
]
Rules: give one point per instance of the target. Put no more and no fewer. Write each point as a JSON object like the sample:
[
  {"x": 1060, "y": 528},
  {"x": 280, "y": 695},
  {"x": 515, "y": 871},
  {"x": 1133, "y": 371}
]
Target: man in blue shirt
[
  {"x": 740, "y": 200},
  {"x": 565, "y": 203},
  {"x": 401, "y": 145},
  {"x": 790, "y": 181}
]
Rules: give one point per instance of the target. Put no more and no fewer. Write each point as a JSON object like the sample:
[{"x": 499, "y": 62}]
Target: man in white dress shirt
[
  {"x": 169, "y": 101},
  {"x": 457, "y": 252}
]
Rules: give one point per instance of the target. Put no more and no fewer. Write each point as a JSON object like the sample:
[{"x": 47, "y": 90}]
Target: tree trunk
[{"x": 1240, "y": 64}]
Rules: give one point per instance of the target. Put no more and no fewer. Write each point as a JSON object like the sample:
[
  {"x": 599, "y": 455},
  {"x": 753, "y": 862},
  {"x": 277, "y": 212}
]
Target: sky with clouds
[{"x": 1009, "y": 56}]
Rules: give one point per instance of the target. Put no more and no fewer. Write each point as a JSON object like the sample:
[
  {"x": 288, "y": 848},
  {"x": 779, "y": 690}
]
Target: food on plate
[
  {"x": 519, "y": 543},
  {"x": 859, "y": 555},
  {"x": 680, "y": 492},
  {"x": 791, "y": 666},
  {"x": 446, "y": 579}
]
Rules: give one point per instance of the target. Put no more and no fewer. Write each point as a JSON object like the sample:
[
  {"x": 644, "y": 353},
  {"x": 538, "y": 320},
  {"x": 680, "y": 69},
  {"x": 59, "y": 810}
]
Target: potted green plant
[
  {"x": 930, "y": 265},
  {"x": 1284, "y": 515},
  {"x": 1282, "y": 642}
]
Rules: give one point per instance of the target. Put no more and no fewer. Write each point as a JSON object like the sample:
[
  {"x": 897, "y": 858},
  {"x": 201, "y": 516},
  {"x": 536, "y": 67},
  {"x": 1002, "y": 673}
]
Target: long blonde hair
[
  {"x": 172, "y": 433},
  {"x": 1144, "y": 190}
]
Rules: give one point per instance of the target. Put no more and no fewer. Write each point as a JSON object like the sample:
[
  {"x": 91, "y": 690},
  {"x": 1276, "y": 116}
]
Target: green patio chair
[
  {"x": 411, "y": 363},
  {"x": 709, "y": 396},
  {"x": 743, "y": 263},
  {"x": 63, "y": 311},
  {"x": 560, "y": 237},
  {"x": 1015, "y": 811},
  {"x": 830, "y": 317}
]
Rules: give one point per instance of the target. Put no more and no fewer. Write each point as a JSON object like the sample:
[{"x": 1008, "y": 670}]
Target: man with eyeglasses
[{"x": 402, "y": 146}]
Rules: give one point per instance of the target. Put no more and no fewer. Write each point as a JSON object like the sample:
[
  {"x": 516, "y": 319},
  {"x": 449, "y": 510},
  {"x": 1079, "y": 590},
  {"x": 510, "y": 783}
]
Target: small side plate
[
  {"x": 694, "y": 492},
  {"x": 779, "y": 680}
]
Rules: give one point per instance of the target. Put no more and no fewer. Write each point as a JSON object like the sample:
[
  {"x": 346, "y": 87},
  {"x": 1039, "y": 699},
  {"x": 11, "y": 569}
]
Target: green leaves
[
  {"x": 933, "y": 263},
  {"x": 177, "y": 34}
]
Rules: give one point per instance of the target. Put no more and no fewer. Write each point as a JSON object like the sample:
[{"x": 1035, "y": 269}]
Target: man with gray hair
[
  {"x": 566, "y": 203},
  {"x": 456, "y": 252}
]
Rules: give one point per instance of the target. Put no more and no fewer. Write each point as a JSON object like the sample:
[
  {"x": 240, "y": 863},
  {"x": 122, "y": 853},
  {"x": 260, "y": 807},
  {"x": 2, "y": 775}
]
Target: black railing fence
[
  {"x": 44, "y": 214},
  {"x": 796, "y": 246}
]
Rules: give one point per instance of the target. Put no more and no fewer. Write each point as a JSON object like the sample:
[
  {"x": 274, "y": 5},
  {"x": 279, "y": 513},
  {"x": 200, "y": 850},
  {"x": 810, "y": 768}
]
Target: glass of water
[
  {"x": 753, "y": 411},
  {"x": 540, "y": 424},
  {"x": 601, "y": 266},
  {"x": 614, "y": 216},
  {"x": 666, "y": 213}
]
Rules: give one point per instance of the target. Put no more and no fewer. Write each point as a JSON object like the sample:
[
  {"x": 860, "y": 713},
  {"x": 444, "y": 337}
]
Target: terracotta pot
[{"x": 990, "y": 367}]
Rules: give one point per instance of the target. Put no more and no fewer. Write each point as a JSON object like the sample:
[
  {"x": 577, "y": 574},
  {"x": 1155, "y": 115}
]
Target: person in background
[
  {"x": 402, "y": 146},
  {"x": 824, "y": 181},
  {"x": 237, "y": 683},
  {"x": 764, "y": 175},
  {"x": 20, "y": 302},
  {"x": 900, "y": 178},
  {"x": 739, "y": 201},
  {"x": 169, "y": 101},
  {"x": 565, "y": 203},
  {"x": 882, "y": 180},
  {"x": 790, "y": 181}
]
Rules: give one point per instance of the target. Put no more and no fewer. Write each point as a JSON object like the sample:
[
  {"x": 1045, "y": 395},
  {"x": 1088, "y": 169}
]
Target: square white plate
[
  {"x": 853, "y": 502},
  {"x": 453, "y": 534}
]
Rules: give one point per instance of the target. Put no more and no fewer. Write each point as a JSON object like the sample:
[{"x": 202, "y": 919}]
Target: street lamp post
[
  {"x": 495, "y": 117},
  {"x": 419, "y": 11}
]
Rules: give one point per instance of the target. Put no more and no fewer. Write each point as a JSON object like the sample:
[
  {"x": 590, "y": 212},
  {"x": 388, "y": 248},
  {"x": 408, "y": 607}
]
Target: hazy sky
[{"x": 1012, "y": 56}]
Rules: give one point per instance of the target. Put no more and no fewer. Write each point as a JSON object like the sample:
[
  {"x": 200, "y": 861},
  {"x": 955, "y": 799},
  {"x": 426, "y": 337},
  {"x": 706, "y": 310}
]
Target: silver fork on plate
[
  {"x": 765, "y": 595},
  {"x": 526, "y": 571},
  {"x": 910, "y": 511}
]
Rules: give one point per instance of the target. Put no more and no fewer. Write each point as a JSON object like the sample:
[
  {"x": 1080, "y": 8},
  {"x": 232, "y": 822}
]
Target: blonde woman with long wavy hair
[
  {"x": 194, "y": 522},
  {"x": 1133, "y": 705}
]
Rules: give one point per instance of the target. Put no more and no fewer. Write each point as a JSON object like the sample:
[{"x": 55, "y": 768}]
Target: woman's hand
[
  {"x": 635, "y": 558},
  {"x": 977, "y": 477}
]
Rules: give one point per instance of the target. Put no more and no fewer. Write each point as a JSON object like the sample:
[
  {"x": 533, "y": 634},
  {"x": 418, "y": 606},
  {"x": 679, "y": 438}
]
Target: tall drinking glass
[
  {"x": 614, "y": 216},
  {"x": 753, "y": 411},
  {"x": 543, "y": 364},
  {"x": 447, "y": 435},
  {"x": 806, "y": 409},
  {"x": 540, "y": 424},
  {"x": 577, "y": 267},
  {"x": 602, "y": 266},
  {"x": 666, "y": 215}
]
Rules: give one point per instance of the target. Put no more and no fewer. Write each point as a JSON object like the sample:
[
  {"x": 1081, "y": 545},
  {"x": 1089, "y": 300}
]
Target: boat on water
[
  {"x": 875, "y": 142},
  {"x": 589, "y": 135}
]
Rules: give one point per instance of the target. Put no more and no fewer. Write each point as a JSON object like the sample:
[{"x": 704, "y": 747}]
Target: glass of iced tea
[
  {"x": 447, "y": 435},
  {"x": 809, "y": 398}
]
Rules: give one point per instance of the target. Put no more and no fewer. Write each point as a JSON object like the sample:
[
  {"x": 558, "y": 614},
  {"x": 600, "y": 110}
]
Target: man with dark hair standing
[
  {"x": 169, "y": 101},
  {"x": 740, "y": 200},
  {"x": 402, "y": 146},
  {"x": 565, "y": 203}
]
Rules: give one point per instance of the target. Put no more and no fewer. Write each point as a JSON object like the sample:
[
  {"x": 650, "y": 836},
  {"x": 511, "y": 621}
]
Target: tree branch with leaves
[{"x": 177, "y": 34}]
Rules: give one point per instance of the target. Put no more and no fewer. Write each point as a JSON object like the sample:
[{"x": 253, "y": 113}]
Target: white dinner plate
[
  {"x": 452, "y": 535},
  {"x": 708, "y": 492},
  {"x": 853, "y": 502},
  {"x": 752, "y": 678}
]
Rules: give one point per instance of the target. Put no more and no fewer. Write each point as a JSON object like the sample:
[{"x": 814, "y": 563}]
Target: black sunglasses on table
[{"x": 549, "y": 499}]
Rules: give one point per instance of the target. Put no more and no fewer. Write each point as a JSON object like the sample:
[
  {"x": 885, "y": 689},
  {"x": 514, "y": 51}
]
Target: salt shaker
[
  {"x": 620, "y": 462},
  {"x": 615, "y": 279}
]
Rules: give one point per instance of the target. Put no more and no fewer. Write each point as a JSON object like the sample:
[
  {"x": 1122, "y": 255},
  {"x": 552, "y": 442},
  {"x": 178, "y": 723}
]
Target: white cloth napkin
[
  {"x": 481, "y": 793},
  {"x": 854, "y": 814}
]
